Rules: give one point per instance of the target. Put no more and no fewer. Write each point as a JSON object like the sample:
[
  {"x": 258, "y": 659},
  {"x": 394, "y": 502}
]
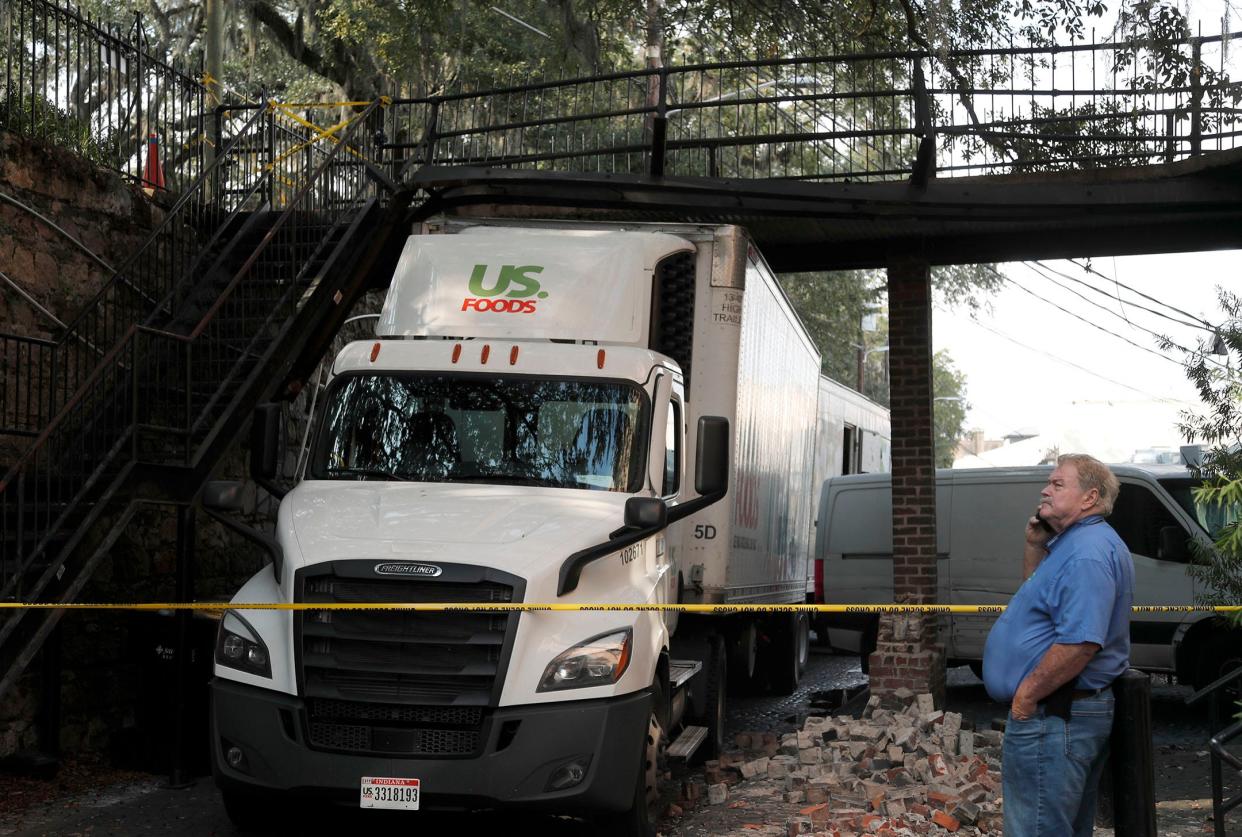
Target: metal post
[
  {"x": 1196, "y": 96},
  {"x": 178, "y": 774},
  {"x": 1133, "y": 765},
  {"x": 659, "y": 126},
  {"x": 49, "y": 709}
]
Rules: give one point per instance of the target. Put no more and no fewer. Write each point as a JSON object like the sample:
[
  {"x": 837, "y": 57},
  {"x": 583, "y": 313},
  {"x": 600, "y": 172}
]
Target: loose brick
[
  {"x": 966, "y": 812},
  {"x": 717, "y": 793},
  {"x": 945, "y": 821}
]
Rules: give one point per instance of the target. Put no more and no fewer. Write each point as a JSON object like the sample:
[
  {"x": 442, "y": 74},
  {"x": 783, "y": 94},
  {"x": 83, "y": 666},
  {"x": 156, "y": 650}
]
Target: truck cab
[{"x": 512, "y": 435}]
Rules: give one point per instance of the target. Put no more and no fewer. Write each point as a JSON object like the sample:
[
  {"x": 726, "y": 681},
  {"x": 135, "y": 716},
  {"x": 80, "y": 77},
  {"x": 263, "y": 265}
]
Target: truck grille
[{"x": 402, "y": 682}]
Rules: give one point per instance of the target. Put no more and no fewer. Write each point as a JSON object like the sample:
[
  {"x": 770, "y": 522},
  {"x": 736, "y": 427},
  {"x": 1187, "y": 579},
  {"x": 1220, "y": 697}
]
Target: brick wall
[{"x": 908, "y": 652}]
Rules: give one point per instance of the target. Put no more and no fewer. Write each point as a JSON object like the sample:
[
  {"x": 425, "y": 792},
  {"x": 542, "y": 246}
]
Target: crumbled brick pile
[{"x": 890, "y": 773}]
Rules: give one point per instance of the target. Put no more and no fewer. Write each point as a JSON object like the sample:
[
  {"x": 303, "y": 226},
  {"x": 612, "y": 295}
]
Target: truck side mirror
[
  {"x": 711, "y": 465},
  {"x": 1173, "y": 544},
  {"x": 265, "y": 452},
  {"x": 645, "y": 513},
  {"x": 264, "y": 442}
]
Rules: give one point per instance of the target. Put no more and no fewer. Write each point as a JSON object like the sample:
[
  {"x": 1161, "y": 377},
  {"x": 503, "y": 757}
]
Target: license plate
[{"x": 389, "y": 792}]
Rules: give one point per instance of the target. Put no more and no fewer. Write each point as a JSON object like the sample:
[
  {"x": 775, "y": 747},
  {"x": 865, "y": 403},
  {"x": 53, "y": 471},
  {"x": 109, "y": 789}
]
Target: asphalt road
[{"x": 150, "y": 807}]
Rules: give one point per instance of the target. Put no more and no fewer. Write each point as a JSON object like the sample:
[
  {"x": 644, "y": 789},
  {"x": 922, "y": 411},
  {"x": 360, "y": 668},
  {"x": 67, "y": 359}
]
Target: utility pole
[{"x": 213, "y": 59}]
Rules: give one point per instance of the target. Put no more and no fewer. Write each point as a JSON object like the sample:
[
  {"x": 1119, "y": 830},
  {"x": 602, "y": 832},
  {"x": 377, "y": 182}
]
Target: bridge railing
[
  {"x": 97, "y": 89},
  {"x": 846, "y": 117}
]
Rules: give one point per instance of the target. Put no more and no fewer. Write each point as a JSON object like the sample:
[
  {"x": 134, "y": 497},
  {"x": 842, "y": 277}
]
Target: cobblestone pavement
[{"x": 146, "y": 807}]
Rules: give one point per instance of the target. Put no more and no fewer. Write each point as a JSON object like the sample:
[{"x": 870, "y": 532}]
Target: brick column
[{"x": 908, "y": 654}]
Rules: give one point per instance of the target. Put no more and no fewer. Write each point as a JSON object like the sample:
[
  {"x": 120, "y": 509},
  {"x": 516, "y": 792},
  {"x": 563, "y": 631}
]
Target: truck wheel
[
  {"x": 709, "y": 710},
  {"x": 744, "y": 667},
  {"x": 640, "y": 820},
  {"x": 248, "y": 813},
  {"x": 804, "y": 642},
  {"x": 785, "y": 654}
]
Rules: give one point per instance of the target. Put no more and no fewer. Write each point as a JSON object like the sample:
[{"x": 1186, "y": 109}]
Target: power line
[
  {"x": 1070, "y": 363},
  {"x": 1089, "y": 269},
  {"x": 1033, "y": 266},
  {"x": 1118, "y": 298},
  {"x": 1138, "y": 346},
  {"x": 1158, "y": 336}
]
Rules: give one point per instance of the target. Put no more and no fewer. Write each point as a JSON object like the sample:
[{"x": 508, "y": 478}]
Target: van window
[
  {"x": 1214, "y": 517},
  {"x": 1138, "y": 517}
]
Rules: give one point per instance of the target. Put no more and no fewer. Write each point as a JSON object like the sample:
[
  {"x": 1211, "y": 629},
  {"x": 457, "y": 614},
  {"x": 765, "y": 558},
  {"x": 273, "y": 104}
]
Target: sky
[{"x": 1030, "y": 364}]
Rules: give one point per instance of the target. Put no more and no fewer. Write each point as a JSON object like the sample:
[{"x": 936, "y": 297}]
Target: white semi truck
[{"x": 549, "y": 413}]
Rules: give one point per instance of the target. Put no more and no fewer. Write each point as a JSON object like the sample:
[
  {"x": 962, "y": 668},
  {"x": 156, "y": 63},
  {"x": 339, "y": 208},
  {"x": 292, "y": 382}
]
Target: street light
[{"x": 862, "y": 359}]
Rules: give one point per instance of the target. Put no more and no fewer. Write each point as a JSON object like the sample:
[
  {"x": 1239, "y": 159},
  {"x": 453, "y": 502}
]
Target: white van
[{"x": 980, "y": 520}]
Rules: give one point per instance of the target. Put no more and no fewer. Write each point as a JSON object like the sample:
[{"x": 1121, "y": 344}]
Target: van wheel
[
  {"x": 1219, "y": 655},
  {"x": 867, "y": 644},
  {"x": 640, "y": 820}
]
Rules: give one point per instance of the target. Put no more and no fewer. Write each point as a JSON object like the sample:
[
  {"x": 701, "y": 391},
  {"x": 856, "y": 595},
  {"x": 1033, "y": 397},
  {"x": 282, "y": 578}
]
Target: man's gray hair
[{"x": 1092, "y": 473}]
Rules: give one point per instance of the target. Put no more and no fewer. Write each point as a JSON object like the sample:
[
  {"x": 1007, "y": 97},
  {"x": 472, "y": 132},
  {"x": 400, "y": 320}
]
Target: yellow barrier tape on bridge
[
  {"x": 286, "y": 110},
  {"x": 457, "y": 607}
]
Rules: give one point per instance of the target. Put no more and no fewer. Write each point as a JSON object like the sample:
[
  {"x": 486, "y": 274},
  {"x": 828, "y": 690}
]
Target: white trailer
[
  {"x": 852, "y": 436},
  {"x": 519, "y": 432}
]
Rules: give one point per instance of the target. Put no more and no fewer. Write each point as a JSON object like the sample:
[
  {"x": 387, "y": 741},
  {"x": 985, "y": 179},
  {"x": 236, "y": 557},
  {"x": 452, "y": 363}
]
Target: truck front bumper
[{"x": 524, "y": 746}]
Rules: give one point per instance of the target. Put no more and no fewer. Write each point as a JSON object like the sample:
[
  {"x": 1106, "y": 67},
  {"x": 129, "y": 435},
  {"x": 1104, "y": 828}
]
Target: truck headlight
[
  {"x": 242, "y": 652},
  {"x": 595, "y": 662}
]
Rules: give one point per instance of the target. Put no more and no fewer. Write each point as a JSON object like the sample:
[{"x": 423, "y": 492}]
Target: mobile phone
[{"x": 1041, "y": 520}]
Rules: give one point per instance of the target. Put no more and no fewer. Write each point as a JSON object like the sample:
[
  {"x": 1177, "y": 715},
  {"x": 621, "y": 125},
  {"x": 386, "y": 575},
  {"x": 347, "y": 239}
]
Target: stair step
[
  {"x": 687, "y": 743},
  {"x": 680, "y": 671}
]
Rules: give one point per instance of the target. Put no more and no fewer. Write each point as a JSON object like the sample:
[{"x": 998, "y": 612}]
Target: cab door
[{"x": 666, "y": 471}]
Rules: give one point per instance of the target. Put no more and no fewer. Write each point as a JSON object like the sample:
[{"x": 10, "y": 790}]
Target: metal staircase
[{"x": 153, "y": 380}]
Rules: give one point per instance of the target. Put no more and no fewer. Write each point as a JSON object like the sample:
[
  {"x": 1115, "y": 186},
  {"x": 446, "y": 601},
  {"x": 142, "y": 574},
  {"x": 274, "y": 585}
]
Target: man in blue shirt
[{"x": 1057, "y": 648}]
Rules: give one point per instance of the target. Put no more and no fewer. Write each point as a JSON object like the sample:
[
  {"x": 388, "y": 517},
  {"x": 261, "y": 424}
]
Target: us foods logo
[
  {"x": 420, "y": 570},
  {"x": 513, "y": 291}
]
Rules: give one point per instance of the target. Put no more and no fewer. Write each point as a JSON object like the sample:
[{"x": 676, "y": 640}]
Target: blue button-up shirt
[{"x": 1081, "y": 592}]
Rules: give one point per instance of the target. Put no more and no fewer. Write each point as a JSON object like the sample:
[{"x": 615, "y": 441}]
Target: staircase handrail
[
  {"x": 134, "y": 328},
  {"x": 169, "y": 217}
]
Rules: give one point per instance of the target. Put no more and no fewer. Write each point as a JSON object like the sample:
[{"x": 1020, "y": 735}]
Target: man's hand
[
  {"x": 1036, "y": 547},
  {"x": 1059, "y": 665},
  {"x": 1023, "y": 705},
  {"x": 1038, "y": 533}
]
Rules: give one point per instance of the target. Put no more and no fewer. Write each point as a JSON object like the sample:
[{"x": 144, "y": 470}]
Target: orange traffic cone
[{"x": 153, "y": 174}]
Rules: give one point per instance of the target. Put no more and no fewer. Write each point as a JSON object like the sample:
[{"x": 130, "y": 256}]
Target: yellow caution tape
[
  {"x": 286, "y": 110},
  {"x": 523, "y": 607}
]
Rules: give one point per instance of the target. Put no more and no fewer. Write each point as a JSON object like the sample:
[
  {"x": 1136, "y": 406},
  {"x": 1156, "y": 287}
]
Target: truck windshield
[
  {"x": 1213, "y": 518},
  {"x": 509, "y": 431}
]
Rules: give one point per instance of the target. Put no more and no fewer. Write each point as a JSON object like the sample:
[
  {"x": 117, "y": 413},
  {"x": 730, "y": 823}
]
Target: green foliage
[
  {"x": 950, "y": 407},
  {"x": 34, "y": 116},
  {"x": 832, "y": 306},
  {"x": 1219, "y": 499}
]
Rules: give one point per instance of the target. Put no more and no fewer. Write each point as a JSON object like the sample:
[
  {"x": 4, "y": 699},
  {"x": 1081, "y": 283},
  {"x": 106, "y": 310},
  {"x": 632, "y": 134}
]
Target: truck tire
[
  {"x": 804, "y": 642},
  {"x": 640, "y": 819},
  {"x": 785, "y": 655},
  {"x": 744, "y": 669},
  {"x": 709, "y": 710}
]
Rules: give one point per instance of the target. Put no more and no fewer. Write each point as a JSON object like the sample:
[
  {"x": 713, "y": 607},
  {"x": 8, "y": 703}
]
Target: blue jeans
[{"x": 1051, "y": 770}]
